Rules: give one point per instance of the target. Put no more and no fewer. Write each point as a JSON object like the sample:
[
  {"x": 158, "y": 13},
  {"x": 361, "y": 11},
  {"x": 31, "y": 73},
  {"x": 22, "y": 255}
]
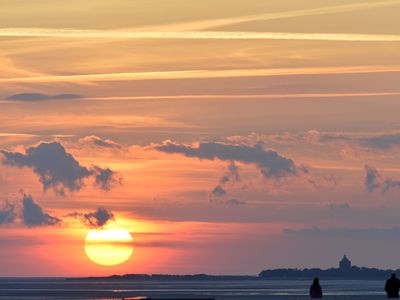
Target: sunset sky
[{"x": 226, "y": 136}]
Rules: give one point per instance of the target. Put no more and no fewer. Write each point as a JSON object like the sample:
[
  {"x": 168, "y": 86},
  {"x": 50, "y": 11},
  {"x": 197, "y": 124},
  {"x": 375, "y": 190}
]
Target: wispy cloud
[
  {"x": 215, "y": 23},
  {"x": 201, "y": 74},
  {"x": 243, "y": 96},
  {"x": 202, "y": 35}
]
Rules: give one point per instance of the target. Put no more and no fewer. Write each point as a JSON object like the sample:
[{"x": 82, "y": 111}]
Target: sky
[{"x": 227, "y": 137}]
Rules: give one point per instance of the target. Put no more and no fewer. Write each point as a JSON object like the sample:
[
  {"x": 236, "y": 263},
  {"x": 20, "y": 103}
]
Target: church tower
[{"x": 345, "y": 264}]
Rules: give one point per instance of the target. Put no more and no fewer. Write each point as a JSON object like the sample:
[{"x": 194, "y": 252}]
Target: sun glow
[{"x": 108, "y": 247}]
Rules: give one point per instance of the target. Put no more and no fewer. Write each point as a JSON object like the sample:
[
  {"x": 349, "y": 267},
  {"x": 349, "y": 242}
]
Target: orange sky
[{"x": 236, "y": 134}]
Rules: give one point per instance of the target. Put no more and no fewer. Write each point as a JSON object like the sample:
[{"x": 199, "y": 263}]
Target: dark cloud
[
  {"x": 94, "y": 219},
  {"x": 232, "y": 174},
  {"x": 373, "y": 181},
  {"x": 33, "y": 215},
  {"x": 352, "y": 233},
  {"x": 271, "y": 163},
  {"x": 389, "y": 184},
  {"x": 372, "y": 178},
  {"x": 382, "y": 141},
  {"x": 333, "y": 137},
  {"x": 105, "y": 178},
  {"x": 57, "y": 169},
  {"x": 339, "y": 206},
  {"x": 378, "y": 141},
  {"x": 42, "y": 97},
  {"x": 7, "y": 213},
  {"x": 99, "y": 142},
  {"x": 234, "y": 202},
  {"x": 218, "y": 191}
]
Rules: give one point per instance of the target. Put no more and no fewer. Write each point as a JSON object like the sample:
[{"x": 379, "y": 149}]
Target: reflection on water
[{"x": 56, "y": 288}]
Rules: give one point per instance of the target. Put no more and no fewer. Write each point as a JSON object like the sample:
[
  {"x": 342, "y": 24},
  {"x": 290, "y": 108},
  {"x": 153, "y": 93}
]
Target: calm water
[{"x": 11, "y": 288}]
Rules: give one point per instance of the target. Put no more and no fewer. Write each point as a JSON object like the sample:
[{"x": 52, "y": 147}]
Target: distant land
[{"x": 345, "y": 271}]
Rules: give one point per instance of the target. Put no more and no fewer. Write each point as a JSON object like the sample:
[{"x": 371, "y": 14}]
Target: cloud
[
  {"x": 215, "y": 23},
  {"x": 385, "y": 141},
  {"x": 99, "y": 142},
  {"x": 94, "y": 219},
  {"x": 372, "y": 178},
  {"x": 33, "y": 215},
  {"x": 373, "y": 181},
  {"x": 197, "y": 35},
  {"x": 234, "y": 202},
  {"x": 376, "y": 141},
  {"x": 270, "y": 163},
  {"x": 218, "y": 191},
  {"x": 389, "y": 184},
  {"x": 105, "y": 178},
  {"x": 232, "y": 175},
  {"x": 7, "y": 213},
  {"x": 57, "y": 169},
  {"x": 339, "y": 206},
  {"x": 352, "y": 233},
  {"x": 42, "y": 97},
  {"x": 201, "y": 74}
]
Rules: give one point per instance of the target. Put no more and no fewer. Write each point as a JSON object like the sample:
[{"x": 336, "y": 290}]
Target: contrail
[
  {"x": 201, "y": 35},
  {"x": 199, "y": 74},
  {"x": 244, "y": 96},
  {"x": 215, "y": 23}
]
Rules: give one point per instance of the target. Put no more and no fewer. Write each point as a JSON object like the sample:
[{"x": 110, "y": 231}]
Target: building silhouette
[{"x": 345, "y": 264}]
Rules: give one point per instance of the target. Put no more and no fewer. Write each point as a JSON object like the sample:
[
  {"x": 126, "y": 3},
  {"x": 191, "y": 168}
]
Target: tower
[{"x": 345, "y": 264}]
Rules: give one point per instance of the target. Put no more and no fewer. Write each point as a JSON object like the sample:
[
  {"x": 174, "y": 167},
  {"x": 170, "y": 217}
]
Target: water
[{"x": 56, "y": 288}]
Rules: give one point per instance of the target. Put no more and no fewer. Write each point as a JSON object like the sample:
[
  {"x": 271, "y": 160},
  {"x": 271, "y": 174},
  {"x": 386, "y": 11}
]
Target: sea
[{"x": 60, "y": 288}]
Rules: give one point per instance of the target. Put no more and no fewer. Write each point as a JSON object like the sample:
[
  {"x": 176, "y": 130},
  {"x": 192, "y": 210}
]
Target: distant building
[{"x": 345, "y": 264}]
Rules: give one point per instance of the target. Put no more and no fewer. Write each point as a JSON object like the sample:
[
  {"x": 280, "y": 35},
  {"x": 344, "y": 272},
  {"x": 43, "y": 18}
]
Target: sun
[{"x": 109, "y": 247}]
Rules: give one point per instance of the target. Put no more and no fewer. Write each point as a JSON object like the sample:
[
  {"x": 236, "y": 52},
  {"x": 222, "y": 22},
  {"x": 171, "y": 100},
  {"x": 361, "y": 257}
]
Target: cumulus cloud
[
  {"x": 33, "y": 215},
  {"x": 372, "y": 178},
  {"x": 42, "y": 97},
  {"x": 218, "y": 191},
  {"x": 99, "y": 142},
  {"x": 389, "y": 184},
  {"x": 94, "y": 219},
  {"x": 57, "y": 169},
  {"x": 232, "y": 175},
  {"x": 105, "y": 178},
  {"x": 373, "y": 181},
  {"x": 7, "y": 213},
  {"x": 270, "y": 163}
]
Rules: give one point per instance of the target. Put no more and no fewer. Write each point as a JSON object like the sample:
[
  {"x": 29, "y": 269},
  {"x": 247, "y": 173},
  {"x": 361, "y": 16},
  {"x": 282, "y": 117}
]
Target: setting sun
[{"x": 108, "y": 247}]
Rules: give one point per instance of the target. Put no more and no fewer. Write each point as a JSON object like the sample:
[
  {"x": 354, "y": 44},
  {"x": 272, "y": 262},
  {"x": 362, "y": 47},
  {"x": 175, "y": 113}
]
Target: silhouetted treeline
[
  {"x": 170, "y": 277},
  {"x": 333, "y": 273}
]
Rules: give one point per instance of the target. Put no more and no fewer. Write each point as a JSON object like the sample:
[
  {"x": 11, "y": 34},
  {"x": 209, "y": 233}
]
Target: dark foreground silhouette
[
  {"x": 392, "y": 286},
  {"x": 316, "y": 289}
]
